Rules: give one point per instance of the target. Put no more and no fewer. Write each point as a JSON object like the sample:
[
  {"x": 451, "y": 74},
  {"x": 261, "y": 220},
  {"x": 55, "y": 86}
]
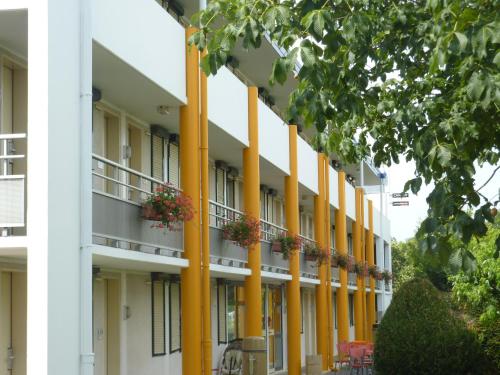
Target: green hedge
[{"x": 420, "y": 335}]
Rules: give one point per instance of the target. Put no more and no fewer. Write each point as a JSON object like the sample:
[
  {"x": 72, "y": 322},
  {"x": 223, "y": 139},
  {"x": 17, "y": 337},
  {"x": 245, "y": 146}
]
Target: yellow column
[
  {"x": 190, "y": 184},
  {"x": 357, "y": 227},
  {"x": 363, "y": 257},
  {"x": 341, "y": 246},
  {"x": 371, "y": 261},
  {"x": 293, "y": 286},
  {"x": 251, "y": 181},
  {"x": 205, "y": 234},
  {"x": 319, "y": 231},
  {"x": 328, "y": 242}
]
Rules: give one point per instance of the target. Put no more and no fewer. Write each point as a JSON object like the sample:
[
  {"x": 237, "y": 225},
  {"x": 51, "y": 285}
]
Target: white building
[{"x": 91, "y": 95}]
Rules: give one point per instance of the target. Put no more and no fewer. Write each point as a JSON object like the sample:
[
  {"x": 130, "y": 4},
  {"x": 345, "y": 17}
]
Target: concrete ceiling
[
  {"x": 14, "y": 32},
  {"x": 125, "y": 87}
]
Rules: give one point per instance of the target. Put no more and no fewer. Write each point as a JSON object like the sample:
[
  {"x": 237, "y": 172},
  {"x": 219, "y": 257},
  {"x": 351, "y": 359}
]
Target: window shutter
[
  {"x": 175, "y": 317},
  {"x": 230, "y": 194},
  {"x": 173, "y": 165},
  {"x": 158, "y": 305},
  {"x": 157, "y": 157},
  {"x": 262, "y": 205}
]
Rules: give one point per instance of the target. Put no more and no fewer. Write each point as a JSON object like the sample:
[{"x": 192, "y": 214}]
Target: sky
[{"x": 405, "y": 219}]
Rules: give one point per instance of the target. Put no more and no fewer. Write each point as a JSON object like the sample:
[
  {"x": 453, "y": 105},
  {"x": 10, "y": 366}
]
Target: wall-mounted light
[{"x": 163, "y": 110}]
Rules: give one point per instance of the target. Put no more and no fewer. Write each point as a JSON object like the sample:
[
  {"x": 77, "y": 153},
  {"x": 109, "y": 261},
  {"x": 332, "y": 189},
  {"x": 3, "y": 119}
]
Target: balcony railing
[
  {"x": 12, "y": 184},
  {"x": 220, "y": 214},
  {"x": 270, "y": 231},
  {"x": 118, "y": 181}
]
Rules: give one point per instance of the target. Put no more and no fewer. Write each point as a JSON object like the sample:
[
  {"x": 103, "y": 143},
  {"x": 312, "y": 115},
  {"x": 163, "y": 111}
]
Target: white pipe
[{"x": 86, "y": 345}]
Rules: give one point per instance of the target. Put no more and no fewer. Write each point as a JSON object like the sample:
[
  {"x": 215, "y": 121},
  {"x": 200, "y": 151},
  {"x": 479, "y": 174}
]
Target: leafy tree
[
  {"x": 416, "y": 79},
  {"x": 403, "y": 268},
  {"x": 478, "y": 293}
]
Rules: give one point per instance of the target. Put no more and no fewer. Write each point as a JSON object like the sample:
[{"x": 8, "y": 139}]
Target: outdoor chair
[
  {"x": 356, "y": 359},
  {"x": 342, "y": 354}
]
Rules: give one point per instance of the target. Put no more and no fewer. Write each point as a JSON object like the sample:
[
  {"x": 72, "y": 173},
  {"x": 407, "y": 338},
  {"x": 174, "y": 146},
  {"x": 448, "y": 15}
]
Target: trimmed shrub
[{"x": 419, "y": 335}]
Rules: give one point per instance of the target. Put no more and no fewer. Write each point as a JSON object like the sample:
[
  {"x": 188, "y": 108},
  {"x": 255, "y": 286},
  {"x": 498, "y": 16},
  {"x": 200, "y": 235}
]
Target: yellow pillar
[
  {"x": 190, "y": 184},
  {"x": 363, "y": 257},
  {"x": 319, "y": 232},
  {"x": 293, "y": 286},
  {"x": 371, "y": 261},
  {"x": 341, "y": 247},
  {"x": 328, "y": 242},
  {"x": 357, "y": 227},
  {"x": 205, "y": 233},
  {"x": 251, "y": 181}
]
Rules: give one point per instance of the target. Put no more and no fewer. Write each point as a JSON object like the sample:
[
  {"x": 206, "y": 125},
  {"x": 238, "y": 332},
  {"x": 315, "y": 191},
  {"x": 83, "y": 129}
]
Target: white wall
[
  {"x": 308, "y": 166},
  {"x": 366, "y": 211},
  {"x": 273, "y": 138},
  {"x": 146, "y": 37},
  {"x": 228, "y": 104},
  {"x": 334, "y": 187},
  {"x": 376, "y": 221},
  {"x": 350, "y": 198}
]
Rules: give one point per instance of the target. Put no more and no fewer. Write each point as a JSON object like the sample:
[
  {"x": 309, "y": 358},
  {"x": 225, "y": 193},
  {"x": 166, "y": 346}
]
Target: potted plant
[
  {"x": 244, "y": 232},
  {"x": 379, "y": 276},
  {"x": 311, "y": 252},
  {"x": 167, "y": 206},
  {"x": 285, "y": 245},
  {"x": 350, "y": 263}
]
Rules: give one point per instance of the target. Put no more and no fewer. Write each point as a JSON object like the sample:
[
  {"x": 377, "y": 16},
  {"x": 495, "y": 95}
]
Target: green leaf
[
  {"x": 462, "y": 40},
  {"x": 307, "y": 55},
  {"x": 496, "y": 60},
  {"x": 444, "y": 155}
]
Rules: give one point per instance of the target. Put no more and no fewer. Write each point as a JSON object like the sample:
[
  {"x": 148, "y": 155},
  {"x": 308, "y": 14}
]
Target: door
[
  {"x": 13, "y": 323},
  {"x": 106, "y": 296},
  {"x": 274, "y": 319}
]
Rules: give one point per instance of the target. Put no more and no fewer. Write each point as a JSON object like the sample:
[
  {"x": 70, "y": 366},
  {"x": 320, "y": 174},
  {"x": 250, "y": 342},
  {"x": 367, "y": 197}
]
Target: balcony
[
  {"x": 308, "y": 269},
  {"x": 12, "y": 185},
  {"x": 118, "y": 192}
]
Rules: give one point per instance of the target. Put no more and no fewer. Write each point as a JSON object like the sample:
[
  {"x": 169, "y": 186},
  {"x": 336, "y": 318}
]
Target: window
[
  {"x": 158, "y": 317},
  {"x": 165, "y": 156},
  {"x": 349, "y": 243},
  {"x": 351, "y": 310},
  {"x": 174, "y": 313},
  {"x": 221, "y": 313}
]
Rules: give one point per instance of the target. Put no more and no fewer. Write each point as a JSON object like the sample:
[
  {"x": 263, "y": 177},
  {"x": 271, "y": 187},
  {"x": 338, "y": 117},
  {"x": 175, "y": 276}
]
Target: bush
[{"x": 420, "y": 335}]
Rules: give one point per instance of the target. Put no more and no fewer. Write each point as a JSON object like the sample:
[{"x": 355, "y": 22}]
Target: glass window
[
  {"x": 174, "y": 305},
  {"x": 222, "y": 313},
  {"x": 351, "y": 310}
]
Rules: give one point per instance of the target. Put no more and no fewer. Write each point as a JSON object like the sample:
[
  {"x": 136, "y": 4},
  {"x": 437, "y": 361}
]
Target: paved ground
[{"x": 344, "y": 371}]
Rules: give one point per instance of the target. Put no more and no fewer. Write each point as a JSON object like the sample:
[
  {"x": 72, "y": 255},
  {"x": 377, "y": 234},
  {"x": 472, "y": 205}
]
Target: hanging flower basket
[
  {"x": 379, "y": 276},
  {"x": 322, "y": 257},
  {"x": 244, "y": 232},
  {"x": 167, "y": 207},
  {"x": 359, "y": 268},
  {"x": 387, "y": 276},
  {"x": 311, "y": 252},
  {"x": 373, "y": 271},
  {"x": 285, "y": 245},
  {"x": 341, "y": 260}
]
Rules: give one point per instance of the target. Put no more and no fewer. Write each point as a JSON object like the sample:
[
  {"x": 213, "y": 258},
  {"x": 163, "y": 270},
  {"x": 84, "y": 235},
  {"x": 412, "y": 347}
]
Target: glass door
[{"x": 273, "y": 319}]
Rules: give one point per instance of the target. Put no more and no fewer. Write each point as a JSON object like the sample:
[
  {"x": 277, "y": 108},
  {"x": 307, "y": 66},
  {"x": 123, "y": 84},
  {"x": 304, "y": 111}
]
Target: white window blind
[
  {"x": 220, "y": 185},
  {"x": 173, "y": 165},
  {"x": 158, "y": 316},
  {"x": 157, "y": 157},
  {"x": 174, "y": 317}
]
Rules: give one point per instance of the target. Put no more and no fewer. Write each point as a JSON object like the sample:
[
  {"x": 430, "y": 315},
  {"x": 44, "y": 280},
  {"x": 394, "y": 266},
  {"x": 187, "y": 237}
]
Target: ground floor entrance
[{"x": 273, "y": 324}]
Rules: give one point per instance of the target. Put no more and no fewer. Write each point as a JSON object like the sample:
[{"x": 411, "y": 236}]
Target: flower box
[
  {"x": 285, "y": 245},
  {"x": 244, "y": 232}
]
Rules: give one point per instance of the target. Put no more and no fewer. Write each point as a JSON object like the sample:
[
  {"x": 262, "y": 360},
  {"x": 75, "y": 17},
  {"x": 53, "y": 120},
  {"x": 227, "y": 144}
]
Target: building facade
[{"x": 101, "y": 103}]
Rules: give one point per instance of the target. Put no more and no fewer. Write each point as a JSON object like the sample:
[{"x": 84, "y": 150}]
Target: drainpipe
[{"x": 86, "y": 350}]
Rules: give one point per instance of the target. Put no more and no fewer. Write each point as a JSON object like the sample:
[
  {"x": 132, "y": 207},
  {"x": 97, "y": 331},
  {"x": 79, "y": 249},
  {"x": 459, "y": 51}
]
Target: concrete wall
[{"x": 307, "y": 160}]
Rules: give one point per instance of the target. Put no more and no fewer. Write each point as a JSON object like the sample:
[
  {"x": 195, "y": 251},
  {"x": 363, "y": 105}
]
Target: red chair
[
  {"x": 343, "y": 354},
  {"x": 356, "y": 359},
  {"x": 368, "y": 358}
]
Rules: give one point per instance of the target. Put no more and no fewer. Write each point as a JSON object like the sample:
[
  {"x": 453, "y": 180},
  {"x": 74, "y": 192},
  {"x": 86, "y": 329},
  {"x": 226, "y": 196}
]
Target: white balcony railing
[
  {"x": 118, "y": 181},
  {"x": 306, "y": 241},
  {"x": 220, "y": 214},
  {"x": 269, "y": 231},
  {"x": 12, "y": 184}
]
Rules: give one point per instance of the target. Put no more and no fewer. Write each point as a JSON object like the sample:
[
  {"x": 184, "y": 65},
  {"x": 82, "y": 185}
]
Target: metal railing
[
  {"x": 270, "y": 231},
  {"x": 12, "y": 184},
  {"x": 111, "y": 178},
  {"x": 220, "y": 215},
  {"x": 335, "y": 274}
]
